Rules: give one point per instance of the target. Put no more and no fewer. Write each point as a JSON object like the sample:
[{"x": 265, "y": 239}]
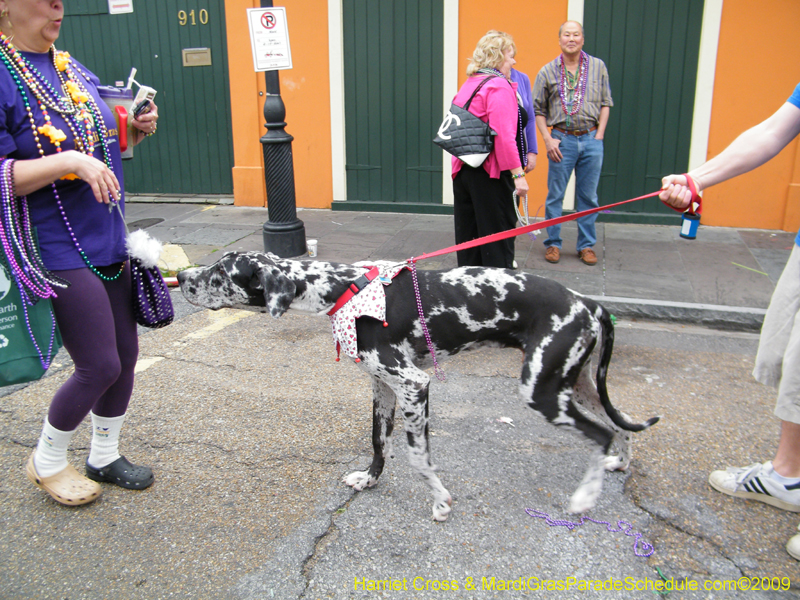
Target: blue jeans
[{"x": 584, "y": 154}]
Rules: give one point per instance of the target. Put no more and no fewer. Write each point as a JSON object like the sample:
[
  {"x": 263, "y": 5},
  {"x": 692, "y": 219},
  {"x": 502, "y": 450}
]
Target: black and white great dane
[{"x": 465, "y": 308}]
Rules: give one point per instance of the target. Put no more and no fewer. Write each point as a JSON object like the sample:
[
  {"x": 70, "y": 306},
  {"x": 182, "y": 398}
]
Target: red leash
[{"x": 496, "y": 237}]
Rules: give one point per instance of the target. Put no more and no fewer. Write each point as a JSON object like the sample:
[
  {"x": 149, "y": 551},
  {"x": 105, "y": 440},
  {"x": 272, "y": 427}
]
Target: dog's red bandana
[{"x": 366, "y": 301}]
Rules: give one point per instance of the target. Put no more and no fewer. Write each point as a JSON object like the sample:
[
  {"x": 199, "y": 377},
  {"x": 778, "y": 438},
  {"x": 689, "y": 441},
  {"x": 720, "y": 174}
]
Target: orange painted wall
[
  {"x": 305, "y": 89},
  {"x": 756, "y": 72},
  {"x": 739, "y": 102},
  {"x": 535, "y": 31}
]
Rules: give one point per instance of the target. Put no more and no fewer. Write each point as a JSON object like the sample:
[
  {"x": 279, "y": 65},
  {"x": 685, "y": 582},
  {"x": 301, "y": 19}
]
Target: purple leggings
[{"x": 98, "y": 328}]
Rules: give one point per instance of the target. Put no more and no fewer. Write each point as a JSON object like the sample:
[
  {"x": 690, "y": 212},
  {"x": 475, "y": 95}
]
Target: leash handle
[{"x": 697, "y": 199}]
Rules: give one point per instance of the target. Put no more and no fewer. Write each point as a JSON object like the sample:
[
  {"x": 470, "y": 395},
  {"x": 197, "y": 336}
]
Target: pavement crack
[
  {"x": 669, "y": 523},
  {"x": 321, "y": 542}
]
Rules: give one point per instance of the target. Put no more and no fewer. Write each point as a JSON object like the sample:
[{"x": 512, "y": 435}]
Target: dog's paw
[
  {"x": 581, "y": 502},
  {"x": 442, "y": 508},
  {"x": 360, "y": 480},
  {"x": 615, "y": 463}
]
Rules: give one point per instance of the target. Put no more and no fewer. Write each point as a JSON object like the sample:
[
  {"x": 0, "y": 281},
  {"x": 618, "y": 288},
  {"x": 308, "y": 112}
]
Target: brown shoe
[
  {"x": 588, "y": 256},
  {"x": 553, "y": 255}
]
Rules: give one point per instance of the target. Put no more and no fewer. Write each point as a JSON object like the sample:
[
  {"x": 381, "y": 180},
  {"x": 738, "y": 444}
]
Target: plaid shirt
[{"x": 547, "y": 100}]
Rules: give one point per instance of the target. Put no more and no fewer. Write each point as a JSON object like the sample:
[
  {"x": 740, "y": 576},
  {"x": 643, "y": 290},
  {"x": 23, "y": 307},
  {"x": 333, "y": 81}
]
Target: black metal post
[{"x": 284, "y": 234}]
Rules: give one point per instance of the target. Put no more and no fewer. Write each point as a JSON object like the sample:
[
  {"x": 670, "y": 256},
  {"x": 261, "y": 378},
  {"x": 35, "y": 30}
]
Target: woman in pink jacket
[{"x": 483, "y": 196}]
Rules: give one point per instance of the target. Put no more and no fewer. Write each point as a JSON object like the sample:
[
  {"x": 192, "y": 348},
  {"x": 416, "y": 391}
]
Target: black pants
[{"x": 483, "y": 206}]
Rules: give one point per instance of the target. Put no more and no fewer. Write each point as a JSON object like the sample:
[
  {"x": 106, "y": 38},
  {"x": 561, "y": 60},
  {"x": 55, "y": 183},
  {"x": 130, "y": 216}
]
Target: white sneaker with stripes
[
  {"x": 793, "y": 546},
  {"x": 755, "y": 483}
]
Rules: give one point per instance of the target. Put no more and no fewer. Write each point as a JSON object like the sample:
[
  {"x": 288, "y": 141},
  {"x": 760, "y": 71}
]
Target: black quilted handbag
[{"x": 464, "y": 135}]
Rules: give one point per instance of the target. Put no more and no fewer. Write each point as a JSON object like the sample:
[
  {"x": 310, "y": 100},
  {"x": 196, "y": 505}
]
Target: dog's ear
[{"x": 279, "y": 290}]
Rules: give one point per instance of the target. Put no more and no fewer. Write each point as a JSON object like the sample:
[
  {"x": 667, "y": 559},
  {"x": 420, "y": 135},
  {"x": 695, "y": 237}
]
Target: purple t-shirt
[
  {"x": 795, "y": 99},
  {"x": 100, "y": 233}
]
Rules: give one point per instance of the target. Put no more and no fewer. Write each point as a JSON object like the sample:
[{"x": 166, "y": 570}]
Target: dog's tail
[{"x": 607, "y": 347}]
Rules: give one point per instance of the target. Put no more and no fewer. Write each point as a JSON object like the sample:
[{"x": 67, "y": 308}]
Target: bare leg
[{"x": 787, "y": 458}]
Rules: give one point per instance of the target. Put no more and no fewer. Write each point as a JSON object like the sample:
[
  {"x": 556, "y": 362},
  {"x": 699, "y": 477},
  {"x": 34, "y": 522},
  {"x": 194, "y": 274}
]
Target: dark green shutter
[
  {"x": 393, "y": 59},
  {"x": 192, "y": 153},
  {"x": 651, "y": 50}
]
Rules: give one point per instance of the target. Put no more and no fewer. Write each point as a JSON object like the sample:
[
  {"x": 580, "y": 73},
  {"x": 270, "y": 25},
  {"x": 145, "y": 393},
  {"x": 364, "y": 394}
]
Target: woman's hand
[
  {"x": 521, "y": 187},
  {"x": 676, "y": 192},
  {"x": 531, "y": 162},
  {"x": 146, "y": 123},
  {"x": 94, "y": 172}
]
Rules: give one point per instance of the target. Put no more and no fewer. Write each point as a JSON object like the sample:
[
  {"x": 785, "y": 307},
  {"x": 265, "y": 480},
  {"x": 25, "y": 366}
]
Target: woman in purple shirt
[{"x": 60, "y": 148}]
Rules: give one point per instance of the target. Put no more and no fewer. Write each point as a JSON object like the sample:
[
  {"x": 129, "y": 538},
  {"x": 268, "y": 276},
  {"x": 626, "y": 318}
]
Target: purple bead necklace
[
  {"x": 624, "y": 526},
  {"x": 31, "y": 277},
  {"x": 580, "y": 87},
  {"x": 436, "y": 368},
  {"x": 19, "y": 246}
]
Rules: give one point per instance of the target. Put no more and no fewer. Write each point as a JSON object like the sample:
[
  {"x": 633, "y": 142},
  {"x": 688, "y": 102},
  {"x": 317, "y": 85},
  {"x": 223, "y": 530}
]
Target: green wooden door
[
  {"x": 393, "y": 74},
  {"x": 651, "y": 50},
  {"x": 192, "y": 153}
]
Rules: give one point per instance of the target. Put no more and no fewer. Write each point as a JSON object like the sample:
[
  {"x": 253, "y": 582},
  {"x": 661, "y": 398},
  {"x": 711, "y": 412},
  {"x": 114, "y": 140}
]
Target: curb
[
  {"x": 179, "y": 199},
  {"x": 736, "y": 318}
]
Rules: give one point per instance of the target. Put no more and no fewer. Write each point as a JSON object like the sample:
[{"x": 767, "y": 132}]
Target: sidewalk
[{"x": 722, "y": 279}]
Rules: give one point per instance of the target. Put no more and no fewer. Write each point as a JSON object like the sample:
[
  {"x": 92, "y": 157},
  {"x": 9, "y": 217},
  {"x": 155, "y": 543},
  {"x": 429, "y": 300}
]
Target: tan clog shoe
[{"x": 67, "y": 486}]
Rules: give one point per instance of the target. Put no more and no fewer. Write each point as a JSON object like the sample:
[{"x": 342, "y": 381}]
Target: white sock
[
  {"x": 783, "y": 480},
  {"x": 51, "y": 453},
  {"x": 105, "y": 440}
]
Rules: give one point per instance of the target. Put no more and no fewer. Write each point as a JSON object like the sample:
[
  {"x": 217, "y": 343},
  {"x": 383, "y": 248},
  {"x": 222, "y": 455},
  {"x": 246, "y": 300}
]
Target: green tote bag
[{"x": 24, "y": 357}]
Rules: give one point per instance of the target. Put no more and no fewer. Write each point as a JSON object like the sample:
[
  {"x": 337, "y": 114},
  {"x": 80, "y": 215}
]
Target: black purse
[
  {"x": 464, "y": 135},
  {"x": 152, "y": 304}
]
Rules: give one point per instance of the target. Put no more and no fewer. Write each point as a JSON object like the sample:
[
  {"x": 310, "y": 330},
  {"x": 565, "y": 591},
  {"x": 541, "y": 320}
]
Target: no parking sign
[{"x": 269, "y": 37}]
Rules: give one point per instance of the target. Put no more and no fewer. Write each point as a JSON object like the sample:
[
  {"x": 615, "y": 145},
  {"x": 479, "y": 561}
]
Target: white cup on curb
[{"x": 312, "y": 248}]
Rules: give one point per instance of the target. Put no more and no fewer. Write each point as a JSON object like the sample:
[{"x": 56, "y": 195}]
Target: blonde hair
[{"x": 489, "y": 51}]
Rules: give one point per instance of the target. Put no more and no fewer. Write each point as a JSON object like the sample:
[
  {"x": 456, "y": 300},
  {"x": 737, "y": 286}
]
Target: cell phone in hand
[{"x": 142, "y": 108}]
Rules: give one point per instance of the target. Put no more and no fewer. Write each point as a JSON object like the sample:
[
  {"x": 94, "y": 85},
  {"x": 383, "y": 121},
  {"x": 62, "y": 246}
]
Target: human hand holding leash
[{"x": 676, "y": 190}]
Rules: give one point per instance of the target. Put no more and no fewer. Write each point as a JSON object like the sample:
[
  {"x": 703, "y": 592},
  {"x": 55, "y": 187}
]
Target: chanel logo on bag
[{"x": 448, "y": 119}]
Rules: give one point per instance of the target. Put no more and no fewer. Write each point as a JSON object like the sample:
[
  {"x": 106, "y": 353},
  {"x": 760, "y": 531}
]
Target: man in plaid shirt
[{"x": 572, "y": 101}]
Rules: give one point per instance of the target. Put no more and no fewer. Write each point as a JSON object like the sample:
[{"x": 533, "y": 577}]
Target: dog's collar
[{"x": 355, "y": 287}]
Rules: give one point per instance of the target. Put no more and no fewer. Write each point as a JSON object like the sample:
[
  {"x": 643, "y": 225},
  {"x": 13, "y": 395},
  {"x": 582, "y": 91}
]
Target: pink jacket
[{"x": 496, "y": 104}]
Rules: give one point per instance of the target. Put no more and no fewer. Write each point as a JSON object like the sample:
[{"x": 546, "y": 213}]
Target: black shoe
[{"x": 122, "y": 473}]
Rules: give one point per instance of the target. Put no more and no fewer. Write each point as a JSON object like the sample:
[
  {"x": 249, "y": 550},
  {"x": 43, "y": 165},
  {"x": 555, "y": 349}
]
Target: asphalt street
[{"x": 250, "y": 426}]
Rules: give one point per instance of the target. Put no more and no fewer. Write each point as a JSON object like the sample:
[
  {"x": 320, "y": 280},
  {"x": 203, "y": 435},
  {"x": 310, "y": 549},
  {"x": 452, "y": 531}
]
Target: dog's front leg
[
  {"x": 383, "y": 406},
  {"x": 410, "y": 386},
  {"x": 413, "y": 398}
]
